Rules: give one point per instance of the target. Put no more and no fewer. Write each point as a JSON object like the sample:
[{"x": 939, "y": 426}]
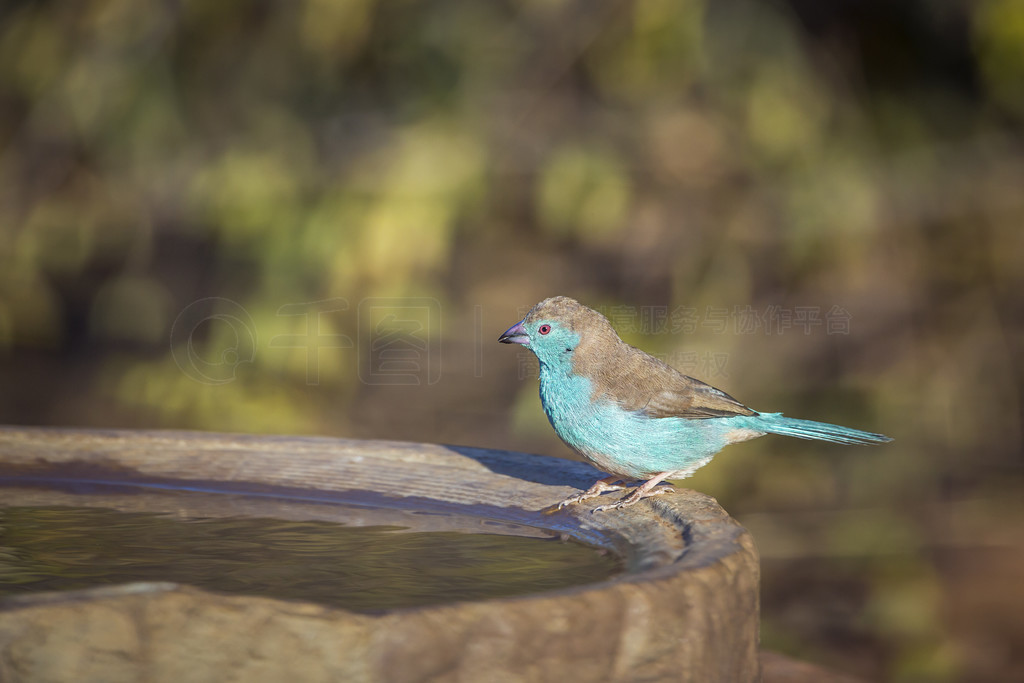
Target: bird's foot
[
  {"x": 571, "y": 500},
  {"x": 635, "y": 497},
  {"x": 601, "y": 486}
]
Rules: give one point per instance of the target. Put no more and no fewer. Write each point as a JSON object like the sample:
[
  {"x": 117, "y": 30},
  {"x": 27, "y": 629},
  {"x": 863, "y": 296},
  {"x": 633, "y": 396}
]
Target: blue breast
[{"x": 628, "y": 443}]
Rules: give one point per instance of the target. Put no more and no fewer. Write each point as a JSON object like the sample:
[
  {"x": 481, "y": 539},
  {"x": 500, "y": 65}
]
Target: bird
[{"x": 633, "y": 416}]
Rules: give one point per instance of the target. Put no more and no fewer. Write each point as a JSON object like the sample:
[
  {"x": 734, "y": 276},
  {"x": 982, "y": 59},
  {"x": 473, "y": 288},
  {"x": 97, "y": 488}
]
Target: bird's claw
[
  {"x": 602, "y": 486},
  {"x": 572, "y": 500},
  {"x": 633, "y": 498}
]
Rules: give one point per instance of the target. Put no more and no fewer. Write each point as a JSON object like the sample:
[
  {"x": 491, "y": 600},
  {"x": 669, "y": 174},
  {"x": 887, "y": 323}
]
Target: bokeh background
[{"x": 315, "y": 217}]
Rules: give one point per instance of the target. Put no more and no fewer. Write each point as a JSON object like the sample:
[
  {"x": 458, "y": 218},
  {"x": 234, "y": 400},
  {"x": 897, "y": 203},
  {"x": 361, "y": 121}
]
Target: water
[{"x": 360, "y": 568}]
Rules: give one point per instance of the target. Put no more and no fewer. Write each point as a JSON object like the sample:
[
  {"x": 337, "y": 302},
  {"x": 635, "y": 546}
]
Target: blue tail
[{"x": 776, "y": 423}]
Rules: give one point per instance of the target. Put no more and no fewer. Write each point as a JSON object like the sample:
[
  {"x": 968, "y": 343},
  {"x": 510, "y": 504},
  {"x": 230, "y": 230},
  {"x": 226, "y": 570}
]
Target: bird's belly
[{"x": 630, "y": 444}]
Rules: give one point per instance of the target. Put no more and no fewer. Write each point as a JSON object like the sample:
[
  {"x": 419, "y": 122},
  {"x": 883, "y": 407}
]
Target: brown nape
[{"x": 627, "y": 375}]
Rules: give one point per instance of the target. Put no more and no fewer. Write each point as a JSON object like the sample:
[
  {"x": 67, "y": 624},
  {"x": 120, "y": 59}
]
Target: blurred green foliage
[{"x": 863, "y": 156}]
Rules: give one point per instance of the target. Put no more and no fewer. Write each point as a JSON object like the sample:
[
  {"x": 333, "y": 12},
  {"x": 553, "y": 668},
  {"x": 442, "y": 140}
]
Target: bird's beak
[{"x": 515, "y": 335}]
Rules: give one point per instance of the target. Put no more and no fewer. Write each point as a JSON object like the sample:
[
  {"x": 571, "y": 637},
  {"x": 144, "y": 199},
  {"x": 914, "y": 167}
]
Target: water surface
[{"x": 361, "y": 568}]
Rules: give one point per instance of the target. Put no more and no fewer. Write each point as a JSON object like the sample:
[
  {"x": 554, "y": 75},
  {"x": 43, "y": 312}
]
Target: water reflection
[{"x": 364, "y": 569}]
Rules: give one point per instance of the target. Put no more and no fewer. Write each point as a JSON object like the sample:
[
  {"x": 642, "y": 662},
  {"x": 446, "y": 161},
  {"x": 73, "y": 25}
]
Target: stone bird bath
[{"x": 685, "y": 609}]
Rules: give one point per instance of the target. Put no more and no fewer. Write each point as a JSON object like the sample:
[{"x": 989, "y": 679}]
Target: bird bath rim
[{"x": 503, "y": 486}]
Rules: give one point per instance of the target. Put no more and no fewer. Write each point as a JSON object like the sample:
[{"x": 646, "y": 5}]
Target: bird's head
[{"x": 555, "y": 328}]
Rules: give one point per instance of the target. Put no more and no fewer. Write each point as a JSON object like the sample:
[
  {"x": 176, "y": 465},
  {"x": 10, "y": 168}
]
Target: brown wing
[
  {"x": 638, "y": 381},
  {"x": 691, "y": 398}
]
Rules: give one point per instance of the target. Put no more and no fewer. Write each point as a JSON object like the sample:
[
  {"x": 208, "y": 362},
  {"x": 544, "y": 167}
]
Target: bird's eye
[{"x": 544, "y": 329}]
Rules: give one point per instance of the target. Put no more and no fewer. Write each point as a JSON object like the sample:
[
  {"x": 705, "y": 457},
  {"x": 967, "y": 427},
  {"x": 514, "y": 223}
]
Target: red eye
[{"x": 544, "y": 329}]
